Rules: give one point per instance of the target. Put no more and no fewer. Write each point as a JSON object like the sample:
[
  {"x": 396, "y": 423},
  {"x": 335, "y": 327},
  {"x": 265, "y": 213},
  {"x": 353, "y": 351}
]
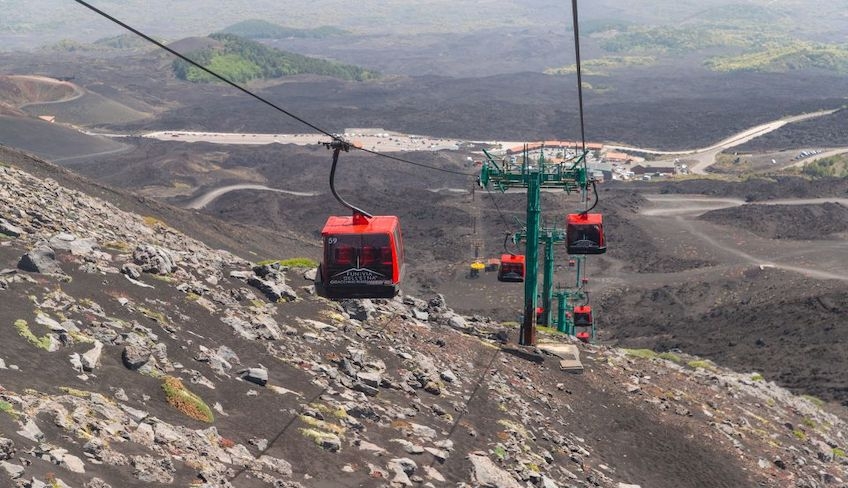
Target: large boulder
[
  {"x": 275, "y": 291},
  {"x": 135, "y": 356},
  {"x": 73, "y": 244},
  {"x": 42, "y": 259},
  {"x": 487, "y": 473},
  {"x": 7, "y": 449},
  {"x": 154, "y": 259}
]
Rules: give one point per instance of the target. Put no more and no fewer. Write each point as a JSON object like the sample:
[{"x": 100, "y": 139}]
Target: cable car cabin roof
[
  {"x": 378, "y": 224},
  {"x": 583, "y": 309},
  {"x": 512, "y": 258},
  {"x": 587, "y": 218}
]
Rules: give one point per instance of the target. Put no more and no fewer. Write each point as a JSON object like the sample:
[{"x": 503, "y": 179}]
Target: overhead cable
[{"x": 244, "y": 90}]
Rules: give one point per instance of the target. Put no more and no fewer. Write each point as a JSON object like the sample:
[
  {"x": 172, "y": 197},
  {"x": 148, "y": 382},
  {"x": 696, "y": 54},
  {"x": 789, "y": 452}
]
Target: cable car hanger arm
[{"x": 337, "y": 145}]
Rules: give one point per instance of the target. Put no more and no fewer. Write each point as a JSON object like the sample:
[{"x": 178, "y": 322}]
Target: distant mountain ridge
[{"x": 262, "y": 29}]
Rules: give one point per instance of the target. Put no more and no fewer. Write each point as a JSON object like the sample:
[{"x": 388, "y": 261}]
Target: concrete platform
[{"x": 569, "y": 355}]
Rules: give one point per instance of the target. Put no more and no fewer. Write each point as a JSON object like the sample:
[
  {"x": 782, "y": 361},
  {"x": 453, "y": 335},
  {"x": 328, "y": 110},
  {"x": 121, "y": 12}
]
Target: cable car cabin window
[
  {"x": 366, "y": 252},
  {"x": 582, "y": 320},
  {"x": 398, "y": 245},
  {"x": 585, "y": 234},
  {"x": 583, "y": 316},
  {"x": 369, "y": 255},
  {"x": 342, "y": 255}
]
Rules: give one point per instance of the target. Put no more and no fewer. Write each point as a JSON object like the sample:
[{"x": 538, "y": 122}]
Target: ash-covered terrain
[{"x": 135, "y": 354}]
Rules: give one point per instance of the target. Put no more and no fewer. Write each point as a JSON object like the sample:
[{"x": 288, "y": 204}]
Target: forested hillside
[{"x": 241, "y": 60}]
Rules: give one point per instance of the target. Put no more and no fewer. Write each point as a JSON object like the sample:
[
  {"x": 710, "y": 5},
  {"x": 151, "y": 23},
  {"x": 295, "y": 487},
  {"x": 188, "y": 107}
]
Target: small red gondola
[
  {"x": 583, "y": 320},
  {"x": 583, "y": 316},
  {"x": 363, "y": 257},
  {"x": 512, "y": 268},
  {"x": 584, "y": 234}
]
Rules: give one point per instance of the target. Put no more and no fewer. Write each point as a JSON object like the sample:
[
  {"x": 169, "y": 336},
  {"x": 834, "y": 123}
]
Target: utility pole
[{"x": 534, "y": 178}]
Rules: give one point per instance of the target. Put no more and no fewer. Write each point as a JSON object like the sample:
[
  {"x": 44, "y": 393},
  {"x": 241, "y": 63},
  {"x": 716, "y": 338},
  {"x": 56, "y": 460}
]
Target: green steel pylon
[{"x": 534, "y": 177}]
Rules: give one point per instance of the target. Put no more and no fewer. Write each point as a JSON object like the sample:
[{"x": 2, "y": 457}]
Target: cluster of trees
[
  {"x": 832, "y": 167},
  {"x": 601, "y": 66},
  {"x": 262, "y": 29},
  {"x": 795, "y": 56},
  {"x": 650, "y": 39},
  {"x": 241, "y": 60}
]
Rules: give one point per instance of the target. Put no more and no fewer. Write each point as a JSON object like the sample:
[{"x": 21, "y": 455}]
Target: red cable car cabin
[
  {"x": 583, "y": 318},
  {"x": 584, "y": 233},
  {"x": 363, "y": 257},
  {"x": 512, "y": 268}
]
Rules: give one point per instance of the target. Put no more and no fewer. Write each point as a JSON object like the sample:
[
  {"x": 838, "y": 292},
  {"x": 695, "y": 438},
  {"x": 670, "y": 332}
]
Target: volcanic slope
[{"x": 134, "y": 353}]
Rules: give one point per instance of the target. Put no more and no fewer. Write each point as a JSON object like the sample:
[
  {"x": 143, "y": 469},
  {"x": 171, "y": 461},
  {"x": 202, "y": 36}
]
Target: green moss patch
[
  {"x": 185, "y": 401},
  {"x": 24, "y": 331},
  {"x": 291, "y": 263}
]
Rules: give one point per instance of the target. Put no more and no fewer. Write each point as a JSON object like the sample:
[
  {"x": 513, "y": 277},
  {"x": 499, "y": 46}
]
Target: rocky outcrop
[{"x": 196, "y": 367}]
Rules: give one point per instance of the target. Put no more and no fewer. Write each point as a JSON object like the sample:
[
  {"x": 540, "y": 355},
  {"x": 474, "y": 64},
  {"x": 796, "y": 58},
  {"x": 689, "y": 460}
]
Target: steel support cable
[
  {"x": 497, "y": 207},
  {"x": 254, "y": 95},
  {"x": 580, "y": 102},
  {"x": 579, "y": 73}
]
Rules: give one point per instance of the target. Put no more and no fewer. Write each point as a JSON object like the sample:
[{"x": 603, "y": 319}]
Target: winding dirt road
[
  {"x": 210, "y": 196},
  {"x": 684, "y": 210}
]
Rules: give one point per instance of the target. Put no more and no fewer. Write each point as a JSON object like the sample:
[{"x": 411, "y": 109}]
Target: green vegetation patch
[
  {"x": 153, "y": 315},
  {"x": 291, "y": 262},
  {"x": 641, "y": 353},
  {"x": 814, "y": 400},
  {"x": 262, "y": 29},
  {"x": 783, "y": 58},
  {"x": 703, "y": 364},
  {"x": 602, "y": 66},
  {"x": 75, "y": 392},
  {"x": 185, "y": 401},
  {"x": 514, "y": 427},
  {"x": 319, "y": 437},
  {"x": 8, "y": 409},
  {"x": 241, "y": 60},
  {"x": 548, "y": 330},
  {"x": 831, "y": 167},
  {"x": 322, "y": 425},
  {"x": 757, "y": 377},
  {"x": 337, "y": 412},
  {"x": 670, "y": 356},
  {"x": 24, "y": 331},
  {"x": 678, "y": 39}
]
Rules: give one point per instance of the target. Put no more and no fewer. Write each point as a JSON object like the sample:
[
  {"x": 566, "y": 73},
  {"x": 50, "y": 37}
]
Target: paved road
[
  {"x": 208, "y": 197},
  {"x": 706, "y": 156}
]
